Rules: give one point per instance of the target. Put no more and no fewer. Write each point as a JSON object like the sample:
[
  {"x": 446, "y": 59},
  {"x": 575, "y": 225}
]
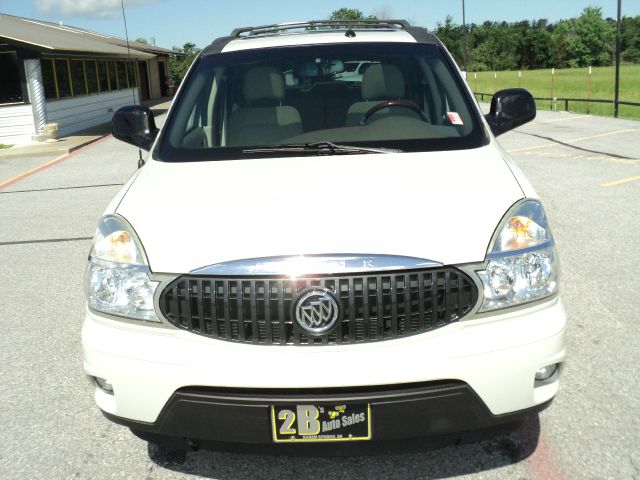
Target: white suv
[{"x": 304, "y": 258}]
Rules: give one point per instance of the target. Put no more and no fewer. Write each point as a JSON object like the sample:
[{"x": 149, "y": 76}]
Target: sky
[{"x": 175, "y": 22}]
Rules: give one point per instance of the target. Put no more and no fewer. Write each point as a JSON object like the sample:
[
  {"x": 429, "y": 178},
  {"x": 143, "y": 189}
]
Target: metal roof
[
  {"x": 143, "y": 47},
  {"x": 50, "y": 37}
]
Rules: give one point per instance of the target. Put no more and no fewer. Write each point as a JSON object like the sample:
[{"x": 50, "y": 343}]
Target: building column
[{"x": 36, "y": 93}]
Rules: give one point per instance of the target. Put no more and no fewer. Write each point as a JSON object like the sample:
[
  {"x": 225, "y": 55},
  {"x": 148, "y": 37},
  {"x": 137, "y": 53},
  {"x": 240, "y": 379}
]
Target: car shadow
[{"x": 429, "y": 458}]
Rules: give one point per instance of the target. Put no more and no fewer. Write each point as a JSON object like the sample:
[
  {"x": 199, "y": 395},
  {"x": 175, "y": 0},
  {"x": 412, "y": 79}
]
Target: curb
[
  {"x": 44, "y": 151},
  {"x": 55, "y": 149}
]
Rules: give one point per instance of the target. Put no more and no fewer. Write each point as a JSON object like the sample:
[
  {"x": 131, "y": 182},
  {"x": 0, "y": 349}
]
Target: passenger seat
[{"x": 263, "y": 120}]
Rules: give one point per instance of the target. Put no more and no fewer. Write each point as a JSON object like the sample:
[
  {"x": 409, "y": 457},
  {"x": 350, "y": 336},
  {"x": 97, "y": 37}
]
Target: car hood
[{"x": 441, "y": 206}]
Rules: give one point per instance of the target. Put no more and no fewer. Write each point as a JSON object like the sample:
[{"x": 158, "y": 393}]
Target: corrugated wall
[
  {"x": 16, "y": 124},
  {"x": 75, "y": 114}
]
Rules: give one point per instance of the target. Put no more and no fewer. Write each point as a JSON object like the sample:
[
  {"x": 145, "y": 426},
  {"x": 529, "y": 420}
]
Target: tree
[
  {"x": 576, "y": 42},
  {"x": 452, "y": 36},
  {"x": 630, "y": 41},
  {"x": 181, "y": 64},
  {"x": 534, "y": 46},
  {"x": 587, "y": 40},
  {"x": 347, "y": 14},
  {"x": 494, "y": 47},
  {"x": 142, "y": 40}
]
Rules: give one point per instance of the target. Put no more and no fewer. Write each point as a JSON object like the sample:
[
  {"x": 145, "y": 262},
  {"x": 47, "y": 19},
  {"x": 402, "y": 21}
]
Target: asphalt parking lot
[{"x": 587, "y": 171}]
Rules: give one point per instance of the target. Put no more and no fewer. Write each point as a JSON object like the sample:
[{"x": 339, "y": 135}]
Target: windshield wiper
[{"x": 321, "y": 148}]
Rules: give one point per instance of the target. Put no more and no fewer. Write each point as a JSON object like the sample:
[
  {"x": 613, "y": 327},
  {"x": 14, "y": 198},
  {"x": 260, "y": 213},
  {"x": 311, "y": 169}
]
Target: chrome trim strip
[{"x": 325, "y": 264}]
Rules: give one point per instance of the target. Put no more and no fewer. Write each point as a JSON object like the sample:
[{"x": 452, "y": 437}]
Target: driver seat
[{"x": 380, "y": 82}]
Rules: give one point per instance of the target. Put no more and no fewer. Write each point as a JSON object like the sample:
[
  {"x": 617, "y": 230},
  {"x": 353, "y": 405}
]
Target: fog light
[
  {"x": 105, "y": 386},
  {"x": 547, "y": 372}
]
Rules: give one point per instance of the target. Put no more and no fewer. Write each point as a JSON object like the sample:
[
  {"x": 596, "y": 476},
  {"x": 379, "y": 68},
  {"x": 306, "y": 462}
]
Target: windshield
[{"x": 260, "y": 102}]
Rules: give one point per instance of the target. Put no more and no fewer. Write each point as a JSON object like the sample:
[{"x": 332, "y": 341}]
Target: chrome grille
[{"x": 373, "y": 307}]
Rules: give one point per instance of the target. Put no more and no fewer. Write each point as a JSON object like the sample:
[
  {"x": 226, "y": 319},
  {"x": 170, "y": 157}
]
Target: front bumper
[
  {"x": 397, "y": 412},
  {"x": 491, "y": 361}
]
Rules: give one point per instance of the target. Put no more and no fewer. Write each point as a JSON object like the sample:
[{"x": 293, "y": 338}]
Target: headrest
[
  {"x": 382, "y": 81},
  {"x": 263, "y": 83}
]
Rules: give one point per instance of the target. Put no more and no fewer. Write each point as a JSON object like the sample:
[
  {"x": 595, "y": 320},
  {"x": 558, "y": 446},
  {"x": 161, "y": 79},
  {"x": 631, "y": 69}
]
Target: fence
[
  {"x": 554, "y": 101},
  {"x": 587, "y": 89}
]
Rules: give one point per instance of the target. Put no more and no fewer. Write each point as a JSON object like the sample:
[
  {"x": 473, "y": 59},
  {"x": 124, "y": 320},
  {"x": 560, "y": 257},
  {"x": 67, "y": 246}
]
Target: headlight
[
  {"x": 117, "y": 280},
  {"x": 522, "y": 262}
]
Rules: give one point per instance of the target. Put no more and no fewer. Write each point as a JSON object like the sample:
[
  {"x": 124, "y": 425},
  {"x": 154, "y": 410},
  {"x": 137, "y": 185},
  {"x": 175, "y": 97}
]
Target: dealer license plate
[{"x": 321, "y": 423}]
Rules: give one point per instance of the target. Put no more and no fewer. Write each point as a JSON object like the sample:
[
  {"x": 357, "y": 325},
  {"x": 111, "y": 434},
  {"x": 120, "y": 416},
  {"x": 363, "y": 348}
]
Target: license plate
[{"x": 321, "y": 423}]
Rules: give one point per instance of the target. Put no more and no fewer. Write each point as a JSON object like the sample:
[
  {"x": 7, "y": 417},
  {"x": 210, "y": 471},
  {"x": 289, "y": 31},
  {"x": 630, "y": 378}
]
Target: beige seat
[
  {"x": 263, "y": 120},
  {"x": 380, "y": 82}
]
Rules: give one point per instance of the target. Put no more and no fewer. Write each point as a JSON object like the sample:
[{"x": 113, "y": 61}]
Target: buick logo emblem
[{"x": 316, "y": 311}]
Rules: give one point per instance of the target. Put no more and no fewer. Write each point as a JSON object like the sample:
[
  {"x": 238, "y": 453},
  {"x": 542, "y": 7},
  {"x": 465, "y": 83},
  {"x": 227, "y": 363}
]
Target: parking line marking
[
  {"x": 33, "y": 170},
  {"x": 542, "y": 122},
  {"x": 604, "y": 158},
  {"x": 48, "y": 240},
  {"x": 57, "y": 189},
  {"x": 575, "y": 140},
  {"x": 618, "y": 182}
]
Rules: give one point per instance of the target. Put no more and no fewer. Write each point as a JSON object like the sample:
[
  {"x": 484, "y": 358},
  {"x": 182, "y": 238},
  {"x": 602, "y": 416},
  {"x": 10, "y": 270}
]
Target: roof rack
[{"x": 314, "y": 25}]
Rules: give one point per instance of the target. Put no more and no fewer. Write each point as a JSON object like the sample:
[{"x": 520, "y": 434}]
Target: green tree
[
  {"x": 630, "y": 39},
  {"x": 577, "y": 42},
  {"x": 142, "y": 40},
  {"x": 347, "y": 14},
  {"x": 494, "y": 47},
  {"x": 452, "y": 36},
  {"x": 534, "y": 45},
  {"x": 181, "y": 63},
  {"x": 587, "y": 40}
]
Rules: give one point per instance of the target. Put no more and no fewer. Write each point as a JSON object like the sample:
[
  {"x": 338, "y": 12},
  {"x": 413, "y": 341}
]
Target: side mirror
[
  {"x": 510, "y": 108},
  {"x": 134, "y": 124}
]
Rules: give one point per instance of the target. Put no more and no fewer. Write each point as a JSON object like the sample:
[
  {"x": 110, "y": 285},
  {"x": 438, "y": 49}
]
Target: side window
[
  {"x": 434, "y": 95},
  {"x": 350, "y": 66},
  {"x": 191, "y": 123},
  {"x": 63, "y": 75},
  {"x": 103, "y": 76},
  {"x": 78, "y": 78},
  {"x": 199, "y": 131},
  {"x": 49, "y": 79},
  {"x": 113, "y": 77},
  {"x": 121, "y": 72},
  {"x": 91, "y": 68},
  {"x": 450, "y": 108},
  {"x": 10, "y": 89},
  {"x": 202, "y": 112},
  {"x": 363, "y": 68}
]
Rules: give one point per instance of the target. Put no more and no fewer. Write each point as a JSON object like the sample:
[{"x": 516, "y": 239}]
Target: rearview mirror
[
  {"x": 510, "y": 108},
  {"x": 134, "y": 124}
]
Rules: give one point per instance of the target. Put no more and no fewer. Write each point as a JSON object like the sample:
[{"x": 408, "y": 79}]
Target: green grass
[
  {"x": 569, "y": 83},
  {"x": 2, "y": 145}
]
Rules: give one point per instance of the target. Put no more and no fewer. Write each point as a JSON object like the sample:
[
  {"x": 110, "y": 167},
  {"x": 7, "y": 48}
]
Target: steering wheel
[{"x": 392, "y": 103}]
